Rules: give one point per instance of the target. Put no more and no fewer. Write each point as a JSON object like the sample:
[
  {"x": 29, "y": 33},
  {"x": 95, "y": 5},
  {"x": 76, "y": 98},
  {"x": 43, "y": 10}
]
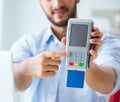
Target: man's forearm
[
  {"x": 100, "y": 78},
  {"x": 21, "y": 80}
]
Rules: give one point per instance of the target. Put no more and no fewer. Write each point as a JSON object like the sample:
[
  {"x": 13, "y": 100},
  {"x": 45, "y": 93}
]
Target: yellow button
[{"x": 75, "y": 64}]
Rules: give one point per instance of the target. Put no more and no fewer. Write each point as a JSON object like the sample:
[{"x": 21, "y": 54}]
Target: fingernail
[
  {"x": 67, "y": 54},
  {"x": 92, "y": 52}
]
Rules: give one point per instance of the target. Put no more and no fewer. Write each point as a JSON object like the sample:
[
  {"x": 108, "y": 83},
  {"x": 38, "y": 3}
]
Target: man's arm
[
  {"x": 101, "y": 78},
  {"x": 42, "y": 65},
  {"x": 21, "y": 80}
]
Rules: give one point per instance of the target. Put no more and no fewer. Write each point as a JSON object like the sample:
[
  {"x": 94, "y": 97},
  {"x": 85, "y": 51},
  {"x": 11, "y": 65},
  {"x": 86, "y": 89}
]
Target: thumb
[{"x": 63, "y": 40}]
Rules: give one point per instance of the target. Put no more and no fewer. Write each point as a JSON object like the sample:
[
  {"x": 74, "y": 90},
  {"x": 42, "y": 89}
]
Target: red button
[{"x": 71, "y": 63}]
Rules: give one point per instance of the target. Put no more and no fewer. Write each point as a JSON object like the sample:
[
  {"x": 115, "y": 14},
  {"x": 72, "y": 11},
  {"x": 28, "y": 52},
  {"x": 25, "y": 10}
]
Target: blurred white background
[{"x": 19, "y": 17}]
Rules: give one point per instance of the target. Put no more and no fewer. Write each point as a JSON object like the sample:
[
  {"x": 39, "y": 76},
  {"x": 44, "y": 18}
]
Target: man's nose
[{"x": 58, "y": 3}]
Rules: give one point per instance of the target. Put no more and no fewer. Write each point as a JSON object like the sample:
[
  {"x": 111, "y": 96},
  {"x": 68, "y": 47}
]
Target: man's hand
[
  {"x": 95, "y": 42},
  {"x": 44, "y": 64}
]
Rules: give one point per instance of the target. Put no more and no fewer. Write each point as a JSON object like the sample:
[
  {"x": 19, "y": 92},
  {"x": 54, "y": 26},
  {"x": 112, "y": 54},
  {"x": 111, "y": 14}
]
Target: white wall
[
  {"x": 1, "y": 17},
  {"x": 86, "y": 6},
  {"x": 20, "y": 17},
  {"x": 24, "y": 16}
]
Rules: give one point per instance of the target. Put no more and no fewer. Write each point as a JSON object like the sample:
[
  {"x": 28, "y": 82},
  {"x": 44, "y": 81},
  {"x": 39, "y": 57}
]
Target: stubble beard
[{"x": 63, "y": 23}]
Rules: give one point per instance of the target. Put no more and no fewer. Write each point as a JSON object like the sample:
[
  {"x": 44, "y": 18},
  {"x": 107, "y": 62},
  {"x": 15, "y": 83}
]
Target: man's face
[{"x": 59, "y": 11}]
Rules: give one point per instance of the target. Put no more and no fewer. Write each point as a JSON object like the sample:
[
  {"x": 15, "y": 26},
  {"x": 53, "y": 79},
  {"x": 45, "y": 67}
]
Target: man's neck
[{"x": 59, "y": 32}]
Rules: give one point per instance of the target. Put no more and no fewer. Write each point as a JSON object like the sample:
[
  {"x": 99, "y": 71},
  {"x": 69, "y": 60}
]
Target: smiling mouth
[{"x": 60, "y": 11}]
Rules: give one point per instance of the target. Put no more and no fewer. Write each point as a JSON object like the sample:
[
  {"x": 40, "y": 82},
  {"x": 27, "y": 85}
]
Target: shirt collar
[
  {"x": 50, "y": 36},
  {"x": 49, "y": 33}
]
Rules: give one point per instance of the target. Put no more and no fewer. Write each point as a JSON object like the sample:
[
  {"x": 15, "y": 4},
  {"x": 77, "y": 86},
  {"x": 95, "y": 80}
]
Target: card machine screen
[{"x": 78, "y": 36}]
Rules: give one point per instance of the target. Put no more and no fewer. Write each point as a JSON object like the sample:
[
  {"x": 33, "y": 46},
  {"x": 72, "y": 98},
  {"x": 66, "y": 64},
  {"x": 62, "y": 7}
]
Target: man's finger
[
  {"x": 51, "y": 68},
  {"x": 97, "y": 34},
  {"x": 52, "y": 54},
  {"x": 96, "y": 41},
  {"x": 48, "y": 74},
  {"x": 63, "y": 40},
  {"x": 95, "y": 28},
  {"x": 53, "y": 61}
]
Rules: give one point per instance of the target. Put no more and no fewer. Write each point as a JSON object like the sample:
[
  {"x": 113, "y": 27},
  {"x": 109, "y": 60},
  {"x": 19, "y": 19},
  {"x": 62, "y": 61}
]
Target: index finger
[{"x": 56, "y": 54}]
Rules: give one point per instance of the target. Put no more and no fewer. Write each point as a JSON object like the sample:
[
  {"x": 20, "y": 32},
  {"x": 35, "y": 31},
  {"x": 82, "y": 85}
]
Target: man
[{"x": 39, "y": 61}]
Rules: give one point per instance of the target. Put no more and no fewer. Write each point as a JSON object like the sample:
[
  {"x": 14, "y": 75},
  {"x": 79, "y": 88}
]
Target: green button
[{"x": 81, "y": 64}]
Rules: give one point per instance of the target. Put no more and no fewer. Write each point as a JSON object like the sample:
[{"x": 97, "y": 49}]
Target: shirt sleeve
[
  {"x": 22, "y": 48},
  {"x": 109, "y": 55}
]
